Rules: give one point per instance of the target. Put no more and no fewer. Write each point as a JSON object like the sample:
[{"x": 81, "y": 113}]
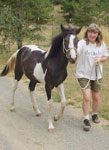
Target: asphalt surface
[{"x": 22, "y": 130}]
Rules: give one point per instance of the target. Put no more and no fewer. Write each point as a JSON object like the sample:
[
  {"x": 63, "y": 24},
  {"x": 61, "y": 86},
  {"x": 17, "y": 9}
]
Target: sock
[
  {"x": 94, "y": 113},
  {"x": 86, "y": 117}
]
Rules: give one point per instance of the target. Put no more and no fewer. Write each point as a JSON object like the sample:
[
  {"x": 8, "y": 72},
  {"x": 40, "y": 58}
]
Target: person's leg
[
  {"x": 95, "y": 101},
  {"x": 95, "y": 105},
  {"x": 86, "y": 102},
  {"x": 86, "y": 95},
  {"x": 86, "y": 108}
]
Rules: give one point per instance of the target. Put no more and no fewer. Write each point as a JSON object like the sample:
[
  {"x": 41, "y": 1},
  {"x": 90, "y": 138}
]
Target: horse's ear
[
  {"x": 77, "y": 30},
  {"x": 62, "y": 28}
]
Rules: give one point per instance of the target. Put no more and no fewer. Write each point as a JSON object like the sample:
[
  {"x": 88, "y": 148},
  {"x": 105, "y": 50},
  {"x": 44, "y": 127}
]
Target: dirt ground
[{"x": 22, "y": 130}]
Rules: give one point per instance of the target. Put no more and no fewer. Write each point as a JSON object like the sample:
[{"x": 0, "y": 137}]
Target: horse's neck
[
  {"x": 56, "y": 47},
  {"x": 62, "y": 59},
  {"x": 56, "y": 55}
]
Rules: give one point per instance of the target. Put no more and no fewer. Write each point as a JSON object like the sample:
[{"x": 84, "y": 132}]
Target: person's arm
[
  {"x": 101, "y": 59},
  {"x": 104, "y": 56}
]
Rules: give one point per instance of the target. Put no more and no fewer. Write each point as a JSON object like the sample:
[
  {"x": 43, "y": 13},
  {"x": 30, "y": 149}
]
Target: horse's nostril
[{"x": 72, "y": 61}]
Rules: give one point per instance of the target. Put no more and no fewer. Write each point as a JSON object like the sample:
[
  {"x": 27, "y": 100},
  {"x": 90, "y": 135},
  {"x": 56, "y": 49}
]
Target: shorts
[{"x": 93, "y": 85}]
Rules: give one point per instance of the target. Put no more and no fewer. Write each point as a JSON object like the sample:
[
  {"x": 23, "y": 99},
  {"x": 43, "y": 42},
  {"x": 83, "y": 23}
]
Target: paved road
[{"x": 22, "y": 130}]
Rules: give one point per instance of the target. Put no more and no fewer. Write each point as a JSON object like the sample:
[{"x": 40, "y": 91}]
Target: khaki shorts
[{"x": 94, "y": 85}]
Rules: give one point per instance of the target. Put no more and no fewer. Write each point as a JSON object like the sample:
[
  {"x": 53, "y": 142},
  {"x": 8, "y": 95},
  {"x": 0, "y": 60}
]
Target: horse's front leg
[
  {"x": 49, "y": 108},
  {"x": 60, "y": 89},
  {"x": 32, "y": 85},
  {"x": 34, "y": 103}
]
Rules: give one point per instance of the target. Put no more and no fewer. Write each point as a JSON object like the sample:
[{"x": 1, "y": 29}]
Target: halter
[{"x": 67, "y": 50}]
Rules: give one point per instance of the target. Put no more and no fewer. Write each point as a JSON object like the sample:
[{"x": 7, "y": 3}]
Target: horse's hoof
[
  {"x": 12, "y": 109},
  {"x": 51, "y": 127},
  {"x": 51, "y": 130},
  {"x": 56, "y": 118},
  {"x": 38, "y": 114}
]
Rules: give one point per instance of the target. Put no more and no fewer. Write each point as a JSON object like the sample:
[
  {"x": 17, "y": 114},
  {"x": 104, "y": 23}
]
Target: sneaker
[
  {"x": 86, "y": 125},
  {"x": 95, "y": 118}
]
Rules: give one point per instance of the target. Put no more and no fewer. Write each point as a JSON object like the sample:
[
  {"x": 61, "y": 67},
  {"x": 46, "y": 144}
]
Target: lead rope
[
  {"x": 64, "y": 48},
  {"x": 97, "y": 66},
  {"x": 83, "y": 88}
]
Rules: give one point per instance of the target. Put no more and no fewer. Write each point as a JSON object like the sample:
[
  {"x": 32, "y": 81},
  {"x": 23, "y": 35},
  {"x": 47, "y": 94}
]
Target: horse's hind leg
[
  {"x": 60, "y": 89},
  {"x": 18, "y": 76},
  {"x": 12, "y": 105},
  {"x": 32, "y": 85}
]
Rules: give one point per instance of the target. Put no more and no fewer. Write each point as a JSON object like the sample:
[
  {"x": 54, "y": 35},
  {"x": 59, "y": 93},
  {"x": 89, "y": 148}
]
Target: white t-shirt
[{"x": 85, "y": 65}]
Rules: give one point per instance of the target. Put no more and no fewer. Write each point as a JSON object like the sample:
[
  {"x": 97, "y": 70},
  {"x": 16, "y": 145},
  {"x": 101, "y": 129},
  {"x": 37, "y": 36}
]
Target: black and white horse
[{"x": 48, "y": 67}]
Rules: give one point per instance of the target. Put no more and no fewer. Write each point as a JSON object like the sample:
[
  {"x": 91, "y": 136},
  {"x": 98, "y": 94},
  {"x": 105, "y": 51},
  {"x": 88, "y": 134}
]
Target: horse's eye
[{"x": 66, "y": 39}]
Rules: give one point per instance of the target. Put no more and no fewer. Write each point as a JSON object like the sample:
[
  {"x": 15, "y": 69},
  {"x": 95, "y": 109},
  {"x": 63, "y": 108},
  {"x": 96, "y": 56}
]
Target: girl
[{"x": 92, "y": 52}]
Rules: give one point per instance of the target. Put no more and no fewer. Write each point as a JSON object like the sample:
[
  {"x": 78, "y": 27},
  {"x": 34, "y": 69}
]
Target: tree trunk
[
  {"x": 20, "y": 18},
  {"x": 20, "y": 38}
]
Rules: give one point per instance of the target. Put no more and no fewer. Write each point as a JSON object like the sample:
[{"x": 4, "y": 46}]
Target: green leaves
[
  {"x": 17, "y": 17},
  {"x": 83, "y": 12}
]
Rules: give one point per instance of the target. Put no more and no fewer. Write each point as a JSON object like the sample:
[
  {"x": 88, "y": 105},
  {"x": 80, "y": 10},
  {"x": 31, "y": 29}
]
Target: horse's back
[
  {"x": 27, "y": 58},
  {"x": 30, "y": 53}
]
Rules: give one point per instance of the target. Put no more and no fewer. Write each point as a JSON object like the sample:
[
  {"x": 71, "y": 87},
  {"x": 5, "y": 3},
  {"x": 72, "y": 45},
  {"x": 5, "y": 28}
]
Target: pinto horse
[{"x": 49, "y": 67}]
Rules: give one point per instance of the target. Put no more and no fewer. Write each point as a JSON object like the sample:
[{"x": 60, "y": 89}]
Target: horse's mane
[{"x": 56, "y": 45}]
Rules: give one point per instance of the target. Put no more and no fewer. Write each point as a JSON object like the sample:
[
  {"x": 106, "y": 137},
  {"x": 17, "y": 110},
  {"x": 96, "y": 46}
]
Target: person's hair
[{"x": 94, "y": 28}]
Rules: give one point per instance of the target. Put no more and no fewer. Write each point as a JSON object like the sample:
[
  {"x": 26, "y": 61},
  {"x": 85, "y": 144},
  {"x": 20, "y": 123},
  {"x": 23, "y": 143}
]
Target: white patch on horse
[
  {"x": 72, "y": 47},
  {"x": 47, "y": 53},
  {"x": 34, "y": 48},
  {"x": 38, "y": 73}
]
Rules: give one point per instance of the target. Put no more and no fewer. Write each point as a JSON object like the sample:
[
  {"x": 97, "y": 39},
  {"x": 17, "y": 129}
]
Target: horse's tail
[{"x": 10, "y": 65}]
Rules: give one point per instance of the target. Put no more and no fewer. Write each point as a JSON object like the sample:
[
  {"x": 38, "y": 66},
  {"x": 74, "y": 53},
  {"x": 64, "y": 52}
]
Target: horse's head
[{"x": 70, "y": 41}]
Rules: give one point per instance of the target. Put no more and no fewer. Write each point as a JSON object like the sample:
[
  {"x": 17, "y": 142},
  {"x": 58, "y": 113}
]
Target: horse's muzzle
[{"x": 71, "y": 60}]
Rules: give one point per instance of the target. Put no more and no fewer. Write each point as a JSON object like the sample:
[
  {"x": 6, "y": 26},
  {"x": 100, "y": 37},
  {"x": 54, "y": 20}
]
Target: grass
[
  {"x": 104, "y": 108},
  {"x": 74, "y": 95},
  {"x": 72, "y": 88},
  {"x": 106, "y": 127}
]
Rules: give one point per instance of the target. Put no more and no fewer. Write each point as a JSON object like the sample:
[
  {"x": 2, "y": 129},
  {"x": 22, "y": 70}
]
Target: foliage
[
  {"x": 56, "y": 2},
  {"x": 21, "y": 18},
  {"x": 83, "y": 12}
]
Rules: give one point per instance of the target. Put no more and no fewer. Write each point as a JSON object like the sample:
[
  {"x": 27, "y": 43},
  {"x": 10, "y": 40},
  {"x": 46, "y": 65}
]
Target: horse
[{"x": 49, "y": 67}]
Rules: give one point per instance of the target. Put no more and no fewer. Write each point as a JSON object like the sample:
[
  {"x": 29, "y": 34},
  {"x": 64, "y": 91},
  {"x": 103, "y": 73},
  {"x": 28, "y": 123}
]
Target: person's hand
[{"x": 98, "y": 59}]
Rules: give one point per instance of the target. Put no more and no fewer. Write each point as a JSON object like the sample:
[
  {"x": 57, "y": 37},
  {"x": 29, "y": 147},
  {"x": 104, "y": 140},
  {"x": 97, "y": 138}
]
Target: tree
[
  {"x": 22, "y": 18},
  {"x": 7, "y": 22},
  {"x": 83, "y": 12},
  {"x": 56, "y": 2}
]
